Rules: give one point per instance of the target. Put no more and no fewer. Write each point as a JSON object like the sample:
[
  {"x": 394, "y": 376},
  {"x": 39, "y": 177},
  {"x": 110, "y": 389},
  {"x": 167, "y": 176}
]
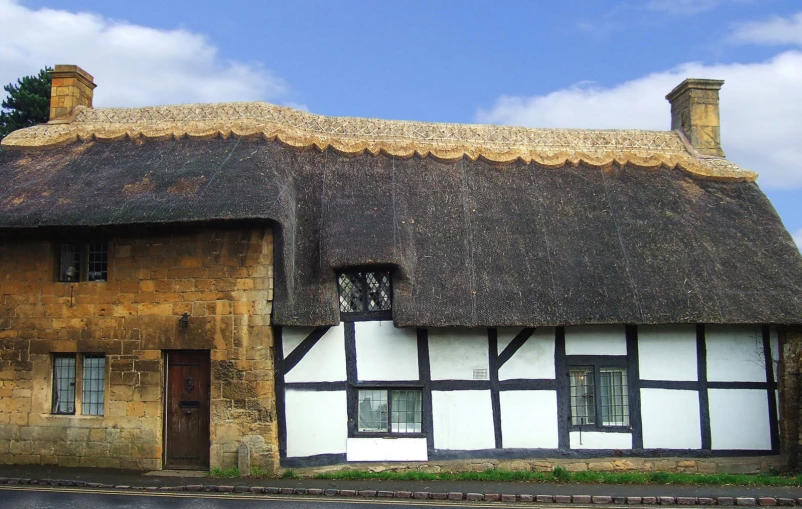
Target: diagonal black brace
[
  {"x": 515, "y": 345},
  {"x": 301, "y": 350}
]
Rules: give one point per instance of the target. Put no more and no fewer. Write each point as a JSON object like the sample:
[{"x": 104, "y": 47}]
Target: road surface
[{"x": 55, "y": 498}]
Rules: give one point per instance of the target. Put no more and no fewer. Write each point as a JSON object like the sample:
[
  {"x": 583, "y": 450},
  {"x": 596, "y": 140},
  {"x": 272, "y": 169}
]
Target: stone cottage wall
[
  {"x": 221, "y": 277},
  {"x": 790, "y": 385}
]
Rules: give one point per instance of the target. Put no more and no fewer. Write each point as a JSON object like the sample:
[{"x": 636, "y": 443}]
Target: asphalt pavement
[{"x": 27, "y": 498}]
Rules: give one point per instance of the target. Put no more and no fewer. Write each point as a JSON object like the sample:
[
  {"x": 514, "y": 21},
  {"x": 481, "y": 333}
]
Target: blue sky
[{"x": 573, "y": 63}]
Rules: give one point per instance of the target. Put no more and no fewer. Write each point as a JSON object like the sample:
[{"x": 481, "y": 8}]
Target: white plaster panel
[
  {"x": 667, "y": 352},
  {"x": 670, "y": 419},
  {"x": 325, "y": 362},
  {"x": 384, "y": 352},
  {"x": 596, "y": 340},
  {"x": 455, "y": 353},
  {"x": 535, "y": 359},
  {"x": 739, "y": 419},
  {"x": 309, "y": 434},
  {"x": 600, "y": 440},
  {"x": 387, "y": 449},
  {"x": 735, "y": 353},
  {"x": 529, "y": 419},
  {"x": 291, "y": 337},
  {"x": 463, "y": 420}
]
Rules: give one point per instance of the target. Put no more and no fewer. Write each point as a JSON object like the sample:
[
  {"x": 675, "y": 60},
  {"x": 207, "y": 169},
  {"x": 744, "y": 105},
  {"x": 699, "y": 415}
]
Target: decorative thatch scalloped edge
[{"x": 446, "y": 148}]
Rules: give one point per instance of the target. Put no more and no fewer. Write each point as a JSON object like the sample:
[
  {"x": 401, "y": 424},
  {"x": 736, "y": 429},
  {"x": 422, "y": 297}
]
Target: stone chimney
[
  {"x": 694, "y": 109},
  {"x": 72, "y": 86}
]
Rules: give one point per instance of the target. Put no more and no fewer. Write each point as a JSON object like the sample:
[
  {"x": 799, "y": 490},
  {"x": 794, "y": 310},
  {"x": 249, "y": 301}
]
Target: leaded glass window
[
  {"x": 64, "y": 384},
  {"x": 98, "y": 260},
  {"x": 83, "y": 261},
  {"x": 88, "y": 372},
  {"x": 390, "y": 411},
  {"x": 363, "y": 292},
  {"x": 599, "y": 396},
  {"x": 94, "y": 382},
  {"x": 583, "y": 406},
  {"x": 70, "y": 262},
  {"x": 614, "y": 397}
]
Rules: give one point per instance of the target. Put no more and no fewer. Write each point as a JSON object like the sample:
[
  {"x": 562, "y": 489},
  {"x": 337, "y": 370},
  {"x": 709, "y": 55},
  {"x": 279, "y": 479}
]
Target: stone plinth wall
[
  {"x": 221, "y": 277},
  {"x": 746, "y": 465}
]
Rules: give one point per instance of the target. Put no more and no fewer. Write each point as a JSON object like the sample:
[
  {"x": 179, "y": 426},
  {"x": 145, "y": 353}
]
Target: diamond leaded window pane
[
  {"x": 365, "y": 291},
  {"x": 351, "y": 300},
  {"x": 378, "y": 284}
]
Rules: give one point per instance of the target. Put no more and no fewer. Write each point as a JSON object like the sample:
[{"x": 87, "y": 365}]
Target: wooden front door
[{"x": 187, "y": 414}]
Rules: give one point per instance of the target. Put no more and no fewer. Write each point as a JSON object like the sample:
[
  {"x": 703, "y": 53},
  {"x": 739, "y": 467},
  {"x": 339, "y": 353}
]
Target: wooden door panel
[{"x": 187, "y": 415}]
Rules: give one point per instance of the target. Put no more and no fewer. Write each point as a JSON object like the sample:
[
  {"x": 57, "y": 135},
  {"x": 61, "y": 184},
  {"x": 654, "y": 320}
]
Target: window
[
  {"x": 64, "y": 385},
  {"x": 365, "y": 293},
  {"x": 90, "y": 376},
  {"x": 389, "y": 411},
  {"x": 87, "y": 261},
  {"x": 599, "y": 396}
]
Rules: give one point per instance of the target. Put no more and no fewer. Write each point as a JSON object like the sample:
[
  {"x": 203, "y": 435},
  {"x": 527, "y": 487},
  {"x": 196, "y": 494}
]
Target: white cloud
[
  {"x": 775, "y": 30},
  {"x": 685, "y": 7},
  {"x": 133, "y": 65},
  {"x": 761, "y": 111},
  {"x": 798, "y": 238}
]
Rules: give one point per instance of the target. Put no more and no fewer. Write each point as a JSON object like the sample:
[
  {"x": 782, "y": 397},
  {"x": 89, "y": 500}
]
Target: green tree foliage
[{"x": 27, "y": 104}]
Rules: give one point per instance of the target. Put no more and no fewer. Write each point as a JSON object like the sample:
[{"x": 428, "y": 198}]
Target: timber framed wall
[{"x": 693, "y": 391}]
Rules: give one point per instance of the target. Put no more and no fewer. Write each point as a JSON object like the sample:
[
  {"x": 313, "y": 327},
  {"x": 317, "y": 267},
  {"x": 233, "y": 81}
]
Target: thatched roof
[{"x": 630, "y": 231}]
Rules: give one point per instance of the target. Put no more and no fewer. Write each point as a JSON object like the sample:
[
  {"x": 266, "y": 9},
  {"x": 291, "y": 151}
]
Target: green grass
[
  {"x": 220, "y": 472},
  {"x": 261, "y": 473},
  {"x": 560, "y": 475}
]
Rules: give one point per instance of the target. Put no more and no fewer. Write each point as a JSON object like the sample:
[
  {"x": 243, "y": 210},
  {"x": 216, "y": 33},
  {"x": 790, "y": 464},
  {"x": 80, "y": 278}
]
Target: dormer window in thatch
[{"x": 365, "y": 294}]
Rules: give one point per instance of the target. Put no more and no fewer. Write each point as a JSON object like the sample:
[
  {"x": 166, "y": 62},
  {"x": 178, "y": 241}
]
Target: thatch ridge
[{"x": 354, "y": 136}]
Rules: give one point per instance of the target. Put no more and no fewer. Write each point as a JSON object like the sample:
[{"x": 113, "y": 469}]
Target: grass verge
[{"x": 225, "y": 473}]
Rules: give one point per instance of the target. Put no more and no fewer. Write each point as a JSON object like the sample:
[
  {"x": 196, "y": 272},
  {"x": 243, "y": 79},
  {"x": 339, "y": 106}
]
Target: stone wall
[
  {"x": 747, "y": 465},
  {"x": 789, "y": 381},
  {"x": 221, "y": 277}
]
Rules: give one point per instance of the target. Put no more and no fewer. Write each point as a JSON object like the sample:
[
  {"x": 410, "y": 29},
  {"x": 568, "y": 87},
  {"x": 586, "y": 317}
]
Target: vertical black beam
[
  {"x": 425, "y": 374},
  {"x": 278, "y": 373},
  {"x": 352, "y": 377},
  {"x": 701, "y": 374},
  {"x": 633, "y": 382},
  {"x": 774, "y": 426},
  {"x": 563, "y": 390},
  {"x": 495, "y": 399}
]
